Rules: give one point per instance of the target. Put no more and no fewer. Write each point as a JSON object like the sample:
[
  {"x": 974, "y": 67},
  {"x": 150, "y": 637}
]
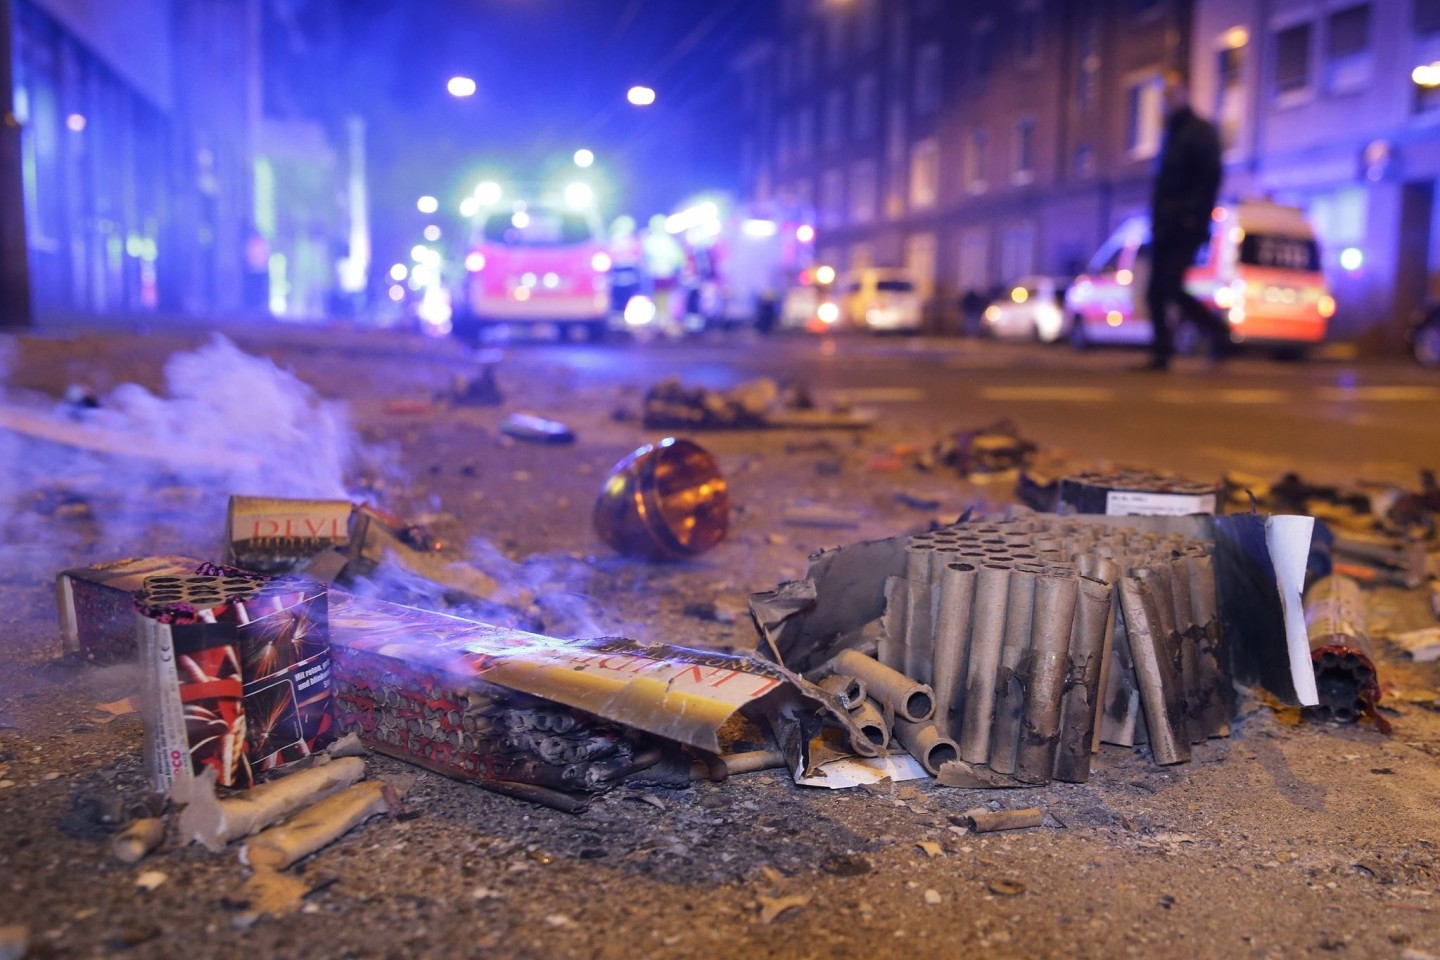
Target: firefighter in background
[
  {"x": 625, "y": 263},
  {"x": 664, "y": 261}
]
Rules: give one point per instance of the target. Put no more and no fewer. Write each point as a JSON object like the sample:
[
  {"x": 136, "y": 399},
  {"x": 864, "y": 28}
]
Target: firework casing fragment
[
  {"x": 278, "y": 535},
  {"x": 97, "y": 604}
]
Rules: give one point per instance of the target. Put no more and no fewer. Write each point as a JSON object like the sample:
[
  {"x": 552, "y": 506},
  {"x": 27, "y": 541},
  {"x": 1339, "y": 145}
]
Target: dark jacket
[{"x": 1187, "y": 180}]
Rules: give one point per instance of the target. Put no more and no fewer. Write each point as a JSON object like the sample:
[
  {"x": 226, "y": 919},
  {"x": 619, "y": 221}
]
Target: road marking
[
  {"x": 882, "y": 394},
  {"x": 1239, "y": 397},
  {"x": 1379, "y": 394},
  {"x": 1051, "y": 394}
]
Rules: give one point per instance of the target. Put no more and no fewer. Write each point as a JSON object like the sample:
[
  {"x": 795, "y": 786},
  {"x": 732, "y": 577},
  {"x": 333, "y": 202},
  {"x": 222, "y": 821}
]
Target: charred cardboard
[{"x": 97, "y": 603}]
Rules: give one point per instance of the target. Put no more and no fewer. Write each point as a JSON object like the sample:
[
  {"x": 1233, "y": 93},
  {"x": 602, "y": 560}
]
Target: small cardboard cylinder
[
  {"x": 912, "y": 701},
  {"x": 1045, "y": 677},
  {"x": 986, "y": 634},
  {"x": 1009, "y": 682},
  {"x": 952, "y": 642},
  {"x": 926, "y": 743}
]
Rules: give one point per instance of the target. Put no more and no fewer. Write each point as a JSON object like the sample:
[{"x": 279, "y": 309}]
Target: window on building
[
  {"x": 864, "y": 191},
  {"x": 834, "y": 118},
  {"x": 973, "y": 273},
  {"x": 1230, "y": 94},
  {"x": 982, "y": 36},
  {"x": 1087, "y": 81},
  {"x": 867, "y": 25},
  {"x": 867, "y": 93},
  {"x": 974, "y": 165},
  {"x": 835, "y": 41},
  {"x": 832, "y": 198},
  {"x": 1017, "y": 251},
  {"x": 924, "y": 173},
  {"x": 927, "y": 79},
  {"x": 899, "y": 42},
  {"x": 1144, "y": 117},
  {"x": 1427, "y": 17},
  {"x": 1292, "y": 59},
  {"x": 807, "y": 57},
  {"x": 1349, "y": 60},
  {"x": 805, "y": 197},
  {"x": 1027, "y": 34},
  {"x": 1084, "y": 166},
  {"x": 1023, "y": 170},
  {"x": 804, "y": 134}
]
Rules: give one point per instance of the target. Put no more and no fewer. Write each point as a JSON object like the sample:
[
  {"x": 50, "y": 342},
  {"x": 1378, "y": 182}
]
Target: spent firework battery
[
  {"x": 1136, "y": 493},
  {"x": 237, "y": 673},
  {"x": 483, "y": 702},
  {"x": 278, "y": 535},
  {"x": 97, "y": 603}
]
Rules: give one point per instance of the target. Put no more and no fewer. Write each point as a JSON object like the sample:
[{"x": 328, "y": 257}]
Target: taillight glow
[{"x": 1326, "y": 306}]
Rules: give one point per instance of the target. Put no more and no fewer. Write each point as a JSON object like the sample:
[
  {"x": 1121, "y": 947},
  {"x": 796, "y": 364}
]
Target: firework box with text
[
  {"x": 278, "y": 535},
  {"x": 237, "y": 674},
  {"x": 97, "y": 603},
  {"x": 463, "y": 697}
]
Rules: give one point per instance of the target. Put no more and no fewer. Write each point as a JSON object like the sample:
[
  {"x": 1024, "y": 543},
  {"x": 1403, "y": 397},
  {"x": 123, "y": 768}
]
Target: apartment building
[
  {"x": 1320, "y": 104},
  {"x": 970, "y": 142}
]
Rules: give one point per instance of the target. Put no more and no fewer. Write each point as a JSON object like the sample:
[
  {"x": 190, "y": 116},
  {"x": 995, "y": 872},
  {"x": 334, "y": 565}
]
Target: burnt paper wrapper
[
  {"x": 1046, "y": 668},
  {"x": 1010, "y": 681},
  {"x": 1079, "y": 703},
  {"x": 1155, "y": 671},
  {"x": 278, "y": 535},
  {"x": 987, "y": 634}
]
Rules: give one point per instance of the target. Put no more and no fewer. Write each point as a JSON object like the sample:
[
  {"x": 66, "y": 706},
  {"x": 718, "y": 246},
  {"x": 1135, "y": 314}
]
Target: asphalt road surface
[{"x": 1289, "y": 839}]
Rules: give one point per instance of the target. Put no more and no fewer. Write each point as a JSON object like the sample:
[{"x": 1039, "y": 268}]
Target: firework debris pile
[{"x": 753, "y": 405}]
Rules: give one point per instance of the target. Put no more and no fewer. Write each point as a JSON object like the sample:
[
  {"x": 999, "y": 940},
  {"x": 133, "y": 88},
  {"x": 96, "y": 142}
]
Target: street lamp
[
  {"x": 488, "y": 193},
  {"x": 427, "y": 204},
  {"x": 640, "y": 96},
  {"x": 461, "y": 87},
  {"x": 579, "y": 195},
  {"x": 583, "y": 157}
]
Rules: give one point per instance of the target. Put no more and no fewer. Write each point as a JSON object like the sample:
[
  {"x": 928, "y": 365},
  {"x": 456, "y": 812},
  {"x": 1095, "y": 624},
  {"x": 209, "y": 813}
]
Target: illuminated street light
[
  {"x": 805, "y": 233},
  {"x": 427, "y": 204},
  {"x": 461, "y": 87},
  {"x": 75, "y": 122},
  {"x": 432, "y": 233},
  {"x": 824, "y": 275},
  {"x": 583, "y": 157},
  {"x": 579, "y": 195},
  {"x": 469, "y": 207},
  {"x": 1352, "y": 258},
  {"x": 1426, "y": 75},
  {"x": 640, "y": 96},
  {"x": 399, "y": 272},
  {"x": 488, "y": 193}
]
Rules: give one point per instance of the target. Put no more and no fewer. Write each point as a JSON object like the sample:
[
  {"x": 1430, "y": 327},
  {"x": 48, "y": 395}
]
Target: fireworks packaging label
[
  {"x": 97, "y": 604},
  {"x": 478, "y": 701},
  {"x": 236, "y": 674},
  {"x": 275, "y": 535}
]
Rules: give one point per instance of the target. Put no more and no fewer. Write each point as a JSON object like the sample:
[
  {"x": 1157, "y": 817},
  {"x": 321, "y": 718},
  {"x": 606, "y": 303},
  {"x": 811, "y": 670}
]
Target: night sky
[{"x": 551, "y": 76}]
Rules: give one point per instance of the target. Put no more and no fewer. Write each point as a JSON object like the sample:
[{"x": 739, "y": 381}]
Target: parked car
[
  {"x": 1424, "y": 337},
  {"x": 809, "y": 307},
  {"x": 882, "y": 300},
  {"x": 1033, "y": 308},
  {"x": 1260, "y": 270}
]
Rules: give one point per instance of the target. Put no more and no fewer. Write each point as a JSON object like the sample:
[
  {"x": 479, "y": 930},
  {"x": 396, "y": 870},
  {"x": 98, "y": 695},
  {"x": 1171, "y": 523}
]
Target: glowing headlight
[{"x": 827, "y": 313}]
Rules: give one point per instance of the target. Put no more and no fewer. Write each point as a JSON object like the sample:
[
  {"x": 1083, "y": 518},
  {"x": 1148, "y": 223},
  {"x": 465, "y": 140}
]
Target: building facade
[
  {"x": 1319, "y": 106},
  {"x": 160, "y": 171},
  {"x": 970, "y": 144}
]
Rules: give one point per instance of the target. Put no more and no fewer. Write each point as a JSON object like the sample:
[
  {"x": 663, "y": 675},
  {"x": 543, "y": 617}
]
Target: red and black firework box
[
  {"x": 278, "y": 535},
  {"x": 237, "y": 673},
  {"x": 97, "y": 604}
]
